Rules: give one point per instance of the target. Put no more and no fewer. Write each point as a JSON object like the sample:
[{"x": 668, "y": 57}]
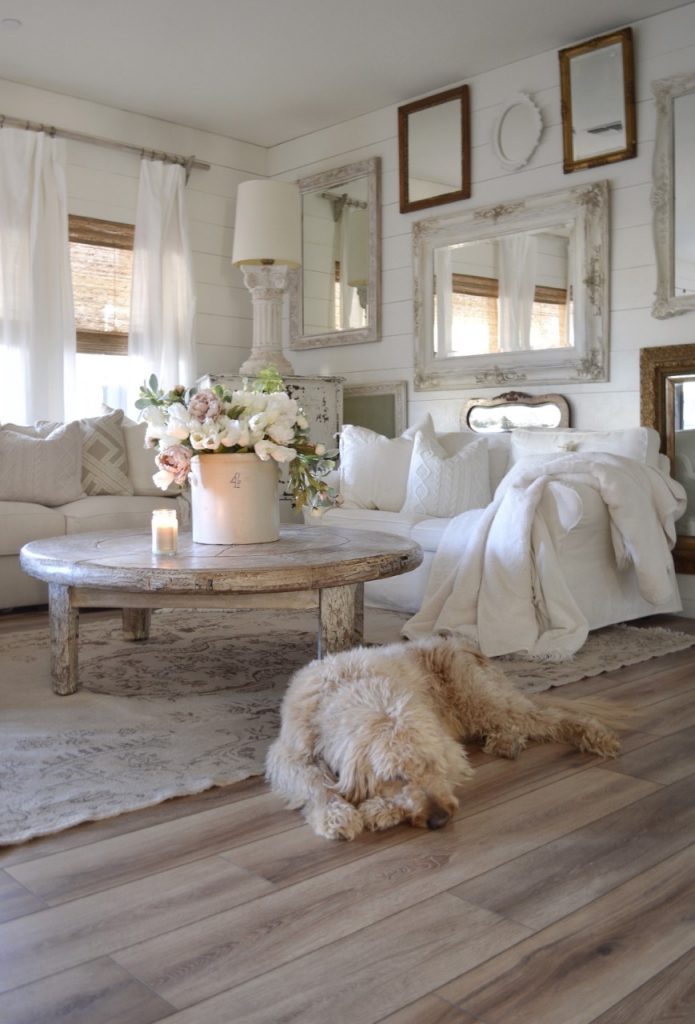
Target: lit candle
[{"x": 165, "y": 531}]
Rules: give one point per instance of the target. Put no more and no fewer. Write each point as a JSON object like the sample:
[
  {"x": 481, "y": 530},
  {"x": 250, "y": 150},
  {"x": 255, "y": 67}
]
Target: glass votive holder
[{"x": 165, "y": 532}]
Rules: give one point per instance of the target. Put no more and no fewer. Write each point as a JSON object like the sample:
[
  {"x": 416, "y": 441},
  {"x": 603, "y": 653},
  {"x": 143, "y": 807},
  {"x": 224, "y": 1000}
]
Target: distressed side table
[{"x": 308, "y": 567}]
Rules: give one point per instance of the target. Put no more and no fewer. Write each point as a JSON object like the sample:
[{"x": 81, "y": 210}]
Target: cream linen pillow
[
  {"x": 374, "y": 468},
  {"x": 639, "y": 443},
  {"x": 42, "y": 470},
  {"x": 441, "y": 485}
]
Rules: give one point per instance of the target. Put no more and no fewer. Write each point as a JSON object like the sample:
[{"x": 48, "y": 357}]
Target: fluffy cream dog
[{"x": 372, "y": 737}]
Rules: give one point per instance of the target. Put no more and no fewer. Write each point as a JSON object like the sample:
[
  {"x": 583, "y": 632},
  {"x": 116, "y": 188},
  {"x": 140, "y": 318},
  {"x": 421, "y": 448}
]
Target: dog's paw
[
  {"x": 336, "y": 820},
  {"x": 504, "y": 744},
  {"x": 601, "y": 741},
  {"x": 379, "y": 814}
]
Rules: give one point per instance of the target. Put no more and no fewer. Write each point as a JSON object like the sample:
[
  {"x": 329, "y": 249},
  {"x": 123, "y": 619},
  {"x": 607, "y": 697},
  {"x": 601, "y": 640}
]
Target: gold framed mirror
[
  {"x": 515, "y": 409},
  {"x": 667, "y": 403},
  {"x": 597, "y": 89},
  {"x": 434, "y": 150}
]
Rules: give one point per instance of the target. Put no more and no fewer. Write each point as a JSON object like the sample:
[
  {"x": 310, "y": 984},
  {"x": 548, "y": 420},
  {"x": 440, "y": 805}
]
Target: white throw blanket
[{"x": 496, "y": 579}]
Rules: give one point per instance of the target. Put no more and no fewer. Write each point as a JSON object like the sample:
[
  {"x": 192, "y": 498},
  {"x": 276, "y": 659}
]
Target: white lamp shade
[{"x": 268, "y": 223}]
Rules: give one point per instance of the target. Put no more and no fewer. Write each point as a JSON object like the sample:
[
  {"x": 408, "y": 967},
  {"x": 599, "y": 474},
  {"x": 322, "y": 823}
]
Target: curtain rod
[{"x": 189, "y": 162}]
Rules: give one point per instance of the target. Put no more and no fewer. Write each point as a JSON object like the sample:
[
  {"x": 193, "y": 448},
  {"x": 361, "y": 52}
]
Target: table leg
[
  {"x": 136, "y": 623},
  {"x": 341, "y": 618},
  {"x": 63, "y": 629}
]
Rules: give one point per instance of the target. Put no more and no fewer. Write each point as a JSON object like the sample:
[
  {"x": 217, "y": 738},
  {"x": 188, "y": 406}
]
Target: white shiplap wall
[
  {"x": 103, "y": 183},
  {"x": 664, "y": 46}
]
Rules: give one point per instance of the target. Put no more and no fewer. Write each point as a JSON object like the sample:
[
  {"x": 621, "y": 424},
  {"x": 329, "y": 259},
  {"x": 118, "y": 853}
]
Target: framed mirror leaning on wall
[
  {"x": 334, "y": 295},
  {"x": 434, "y": 150},
  {"x": 673, "y": 195},
  {"x": 667, "y": 403},
  {"x": 597, "y": 88},
  {"x": 514, "y": 293}
]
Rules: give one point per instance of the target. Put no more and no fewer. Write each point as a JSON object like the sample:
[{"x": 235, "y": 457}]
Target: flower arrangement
[{"x": 260, "y": 418}]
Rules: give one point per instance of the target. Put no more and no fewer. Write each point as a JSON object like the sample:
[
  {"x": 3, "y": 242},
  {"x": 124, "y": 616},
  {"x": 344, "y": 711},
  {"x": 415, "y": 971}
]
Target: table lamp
[{"x": 267, "y": 243}]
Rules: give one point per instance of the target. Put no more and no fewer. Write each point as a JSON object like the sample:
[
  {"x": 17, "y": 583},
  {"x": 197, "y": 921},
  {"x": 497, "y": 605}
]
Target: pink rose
[
  {"x": 205, "y": 406},
  {"x": 175, "y": 460}
]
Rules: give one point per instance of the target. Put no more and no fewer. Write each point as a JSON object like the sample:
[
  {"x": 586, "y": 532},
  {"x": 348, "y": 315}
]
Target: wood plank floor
[{"x": 562, "y": 893}]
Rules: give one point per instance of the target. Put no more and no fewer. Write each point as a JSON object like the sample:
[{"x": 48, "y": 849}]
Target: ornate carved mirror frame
[
  {"x": 515, "y": 409},
  {"x": 659, "y": 367}
]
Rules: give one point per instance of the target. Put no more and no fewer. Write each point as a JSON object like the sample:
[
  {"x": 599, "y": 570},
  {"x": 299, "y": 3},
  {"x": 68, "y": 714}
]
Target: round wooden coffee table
[{"x": 308, "y": 567}]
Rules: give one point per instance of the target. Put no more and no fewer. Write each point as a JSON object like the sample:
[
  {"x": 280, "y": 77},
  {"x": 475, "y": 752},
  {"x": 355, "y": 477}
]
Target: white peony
[
  {"x": 163, "y": 478},
  {"x": 267, "y": 450},
  {"x": 282, "y": 432}
]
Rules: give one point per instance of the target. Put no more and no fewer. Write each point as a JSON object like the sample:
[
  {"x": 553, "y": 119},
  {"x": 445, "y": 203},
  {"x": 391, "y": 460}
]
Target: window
[
  {"x": 101, "y": 260},
  {"x": 474, "y": 305}
]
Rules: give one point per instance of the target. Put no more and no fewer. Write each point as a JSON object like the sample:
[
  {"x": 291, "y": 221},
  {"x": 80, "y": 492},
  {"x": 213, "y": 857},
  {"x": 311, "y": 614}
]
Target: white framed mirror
[
  {"x": 673, "y": 195},
  {"x": 514, "y": 293},
  {"x": 517, "y": 131},
  {"x": 334, "y": 295}
]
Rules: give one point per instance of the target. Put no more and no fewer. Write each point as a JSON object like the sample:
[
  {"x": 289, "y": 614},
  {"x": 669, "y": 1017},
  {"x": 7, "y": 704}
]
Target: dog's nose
[{"x": 438, "y": 818}]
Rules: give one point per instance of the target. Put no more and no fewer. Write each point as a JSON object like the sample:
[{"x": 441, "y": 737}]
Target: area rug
[{"x": 195, "y": 706}]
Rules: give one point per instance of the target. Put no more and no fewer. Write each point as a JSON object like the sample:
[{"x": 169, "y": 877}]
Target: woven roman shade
[{"x": 101, "y": 260}]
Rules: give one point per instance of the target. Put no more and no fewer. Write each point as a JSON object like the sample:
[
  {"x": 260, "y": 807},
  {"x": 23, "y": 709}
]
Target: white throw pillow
[
  {"x": 104, "y": 460},
  {"x": 639, "y": 443},
  {"x": 441, "y": 485},
  {"x": 42, "y": 470},
  {"x": 374, "y": 468}
]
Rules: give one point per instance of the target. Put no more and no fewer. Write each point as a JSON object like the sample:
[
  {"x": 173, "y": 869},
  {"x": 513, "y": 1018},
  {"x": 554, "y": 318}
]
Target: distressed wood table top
[{"x": 304, "y": 558}]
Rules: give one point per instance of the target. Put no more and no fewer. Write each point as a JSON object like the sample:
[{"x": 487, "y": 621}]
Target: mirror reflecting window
[
  {"x": 673, "y": 196},
  {"x": 667, "y": 403},
  {"x": 514, "y": 293},
  {"x": 434, "y": 150},
  {"x": 597, "y": 84},
  {"x": 503, "y": 295},
  {"x": 334, "y": 296}
]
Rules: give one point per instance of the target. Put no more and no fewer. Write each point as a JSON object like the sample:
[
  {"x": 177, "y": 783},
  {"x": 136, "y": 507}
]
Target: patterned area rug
[{"x": 195, "y": 706}]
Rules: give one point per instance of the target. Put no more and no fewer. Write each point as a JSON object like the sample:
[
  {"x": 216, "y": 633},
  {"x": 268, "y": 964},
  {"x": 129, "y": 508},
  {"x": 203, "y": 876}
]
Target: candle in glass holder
[{"x": 165, "y": 531}]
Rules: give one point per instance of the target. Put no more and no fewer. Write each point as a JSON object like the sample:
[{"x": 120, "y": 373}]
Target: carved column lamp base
[{"x": 267, "y": 285}]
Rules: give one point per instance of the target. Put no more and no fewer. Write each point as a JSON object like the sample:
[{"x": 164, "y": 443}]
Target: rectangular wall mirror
[
  {"x": 673, "y": 195},
  {"x": 334, "y": 295},
  {"x": 667, "y": 403},
  {"x": 597, "y": 87},
  {"x": 434, "y": 150},
  {"x": 514, "y": 293},
  {"x": 380, "y": 407}
]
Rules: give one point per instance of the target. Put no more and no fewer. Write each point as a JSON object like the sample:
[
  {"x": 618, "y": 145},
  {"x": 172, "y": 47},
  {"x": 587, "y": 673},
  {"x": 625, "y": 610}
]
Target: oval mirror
[{"x": 517, "y": 131}]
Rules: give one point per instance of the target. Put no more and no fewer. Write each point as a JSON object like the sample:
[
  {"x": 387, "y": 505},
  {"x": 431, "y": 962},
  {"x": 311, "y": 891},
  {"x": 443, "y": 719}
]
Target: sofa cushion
[
  {"x": 41, "y": 470},
  {"x": 400, "y": 524},
  {"x": 639, "y": 443},
  {"x": 374, "y": 468},
  {"x": 112, "y": 512},
  {"x": 22, "y": 521},
  {"x": 445, "y": 485},
  {"x": 428, "y": 532}
]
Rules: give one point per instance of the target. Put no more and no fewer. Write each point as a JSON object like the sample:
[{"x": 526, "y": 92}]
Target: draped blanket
[{"x": 497, "y": 578}]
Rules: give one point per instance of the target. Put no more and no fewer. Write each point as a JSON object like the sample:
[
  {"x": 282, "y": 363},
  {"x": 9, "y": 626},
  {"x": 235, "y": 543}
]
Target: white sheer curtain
[
  {"x": 443, "y": 271},
  {"x": 37, "y": 330},
  {"x": 163, "y": 300},
  {"x": 517, "y": 277}
]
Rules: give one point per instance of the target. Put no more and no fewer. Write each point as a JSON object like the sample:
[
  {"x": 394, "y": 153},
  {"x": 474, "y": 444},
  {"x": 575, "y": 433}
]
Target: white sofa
[
  {"x": 44, "y": 464},
  {"x": 372, "y": 469}
]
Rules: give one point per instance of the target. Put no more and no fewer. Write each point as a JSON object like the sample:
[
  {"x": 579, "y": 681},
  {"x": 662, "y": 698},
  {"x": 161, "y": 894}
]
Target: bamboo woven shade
[{"x": 101, "y": 259}]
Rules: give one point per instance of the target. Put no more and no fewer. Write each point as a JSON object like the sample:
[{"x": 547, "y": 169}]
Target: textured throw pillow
[
  {"x": 104, "y": 459},
  {"x": 141, "y": 464},
  {"x": 441, "y": 485},
  {"x": 42, "y": 470},
  {"x": 374, "y": 468},
  {"x": 639, "y": 443}
]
